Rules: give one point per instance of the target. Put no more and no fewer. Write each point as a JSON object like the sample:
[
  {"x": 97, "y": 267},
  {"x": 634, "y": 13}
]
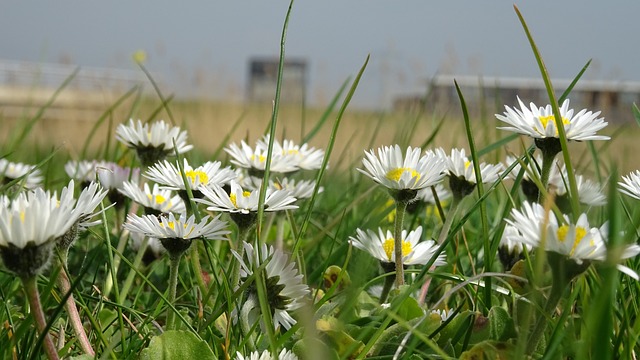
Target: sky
[{"x": 203, "y": 47}]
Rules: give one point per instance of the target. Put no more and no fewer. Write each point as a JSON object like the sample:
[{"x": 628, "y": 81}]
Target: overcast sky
[{"x": 409, "y": 40}]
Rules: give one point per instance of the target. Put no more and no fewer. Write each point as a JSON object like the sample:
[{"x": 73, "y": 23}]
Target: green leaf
[
  {"x": 636, "y": 113},
  {"x": 409, "y": 309},
  {"x": 177, "y": 345},
  {"x": 501, "y": 325}
]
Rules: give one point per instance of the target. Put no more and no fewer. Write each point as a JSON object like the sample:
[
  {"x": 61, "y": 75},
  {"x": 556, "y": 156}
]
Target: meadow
[{"x": 403, "y": 252}]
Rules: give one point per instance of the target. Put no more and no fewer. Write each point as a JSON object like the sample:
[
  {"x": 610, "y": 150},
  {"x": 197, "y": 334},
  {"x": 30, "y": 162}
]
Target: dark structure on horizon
[
  {"x": 613, "y": 98},
  {"x": 263, "y": 75}
]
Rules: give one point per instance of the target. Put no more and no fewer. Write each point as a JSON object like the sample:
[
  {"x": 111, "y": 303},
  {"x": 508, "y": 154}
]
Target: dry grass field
[{"x": 69, "y": 120}]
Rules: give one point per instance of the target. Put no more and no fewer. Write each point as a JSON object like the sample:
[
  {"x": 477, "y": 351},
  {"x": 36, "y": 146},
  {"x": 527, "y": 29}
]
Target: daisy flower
[
  {"x": 243, "y": 201},
  {"x": 426, "y": 195},
  {"x": 266, "y": 355},
  {"x": 112, "y": 177},
  {"x": 84, "y": 171},
  {"x": 168, "y": 175},
  {"x": 589, "y": 193},
  {"x": 462, "y": 178},
  {"x": 459, "y": 166},
  {"x": 539, "y": 123},
  {"x": 176, "y": 234},
  {"x": 302, "y": 156},
  {"x": 578, "y": 242},
  {"x": 154, "y": 200},
  {"x": 630, "y": 184},
  {"x": 11, "y": 171},
  {"x": 397, "y": 172},
  {"x": 285, "y": 289},
  {"x": 28, "y": 227},
  {"x": 381, "y": 246},
  {"x": 254, "y": 160},
  {"x": 153, "y": 142},
  {"x": 301, "y": 189},
  {"x": 509, "y": 251}
]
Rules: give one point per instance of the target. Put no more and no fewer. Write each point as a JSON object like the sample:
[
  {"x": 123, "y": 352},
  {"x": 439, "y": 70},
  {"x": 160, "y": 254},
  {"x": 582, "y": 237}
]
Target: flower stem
[
  {"x": 541, "y": 323},
  {"x": 72, "y": 309},
  {"x": 173, "y": 284},
  {"x": 243, "y": 233},
  {"x": 401, "y": 207},
  {"x": 132, "y": 273},
  {"x": 248, "y": 305},
  {"x": 31, "y": 289},
  {"x": 388, "y": 283}
]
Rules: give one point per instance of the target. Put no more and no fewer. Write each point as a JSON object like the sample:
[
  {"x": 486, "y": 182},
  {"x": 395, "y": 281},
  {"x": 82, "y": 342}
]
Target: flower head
[
  {"x": 255, "y": 160},
  {"x": 630, "y": 184},
  {"x": 397, "y": 172},
  {"x": 168, "y": 175},
  {"x": 302, "y": 156},
  {"x": 285, "y": 289},
  {"x": 539, "y": 123},
  {"x": 153, "y": 199},
  {"x": 10, "y": 171},
  {"x": 266, "y": 355},
  {"x": 381, "y": 246},
  {"x": 29, "y": 225},
  {"x": 84, "y": 171},
  {"x": 153, "y": 142},
  {"x": 577, "y": 241},
  {"x": 301, "y": 189},
  {"x": 459, "y": 166},
  {"x": 176, "y": 234},
  {"x": 243, "y": 201}
]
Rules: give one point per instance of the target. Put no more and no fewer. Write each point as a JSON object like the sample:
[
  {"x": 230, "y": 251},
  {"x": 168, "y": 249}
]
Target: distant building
[
  {"x": 613, "y": 98},
  {"x": 263, "y": 76}
]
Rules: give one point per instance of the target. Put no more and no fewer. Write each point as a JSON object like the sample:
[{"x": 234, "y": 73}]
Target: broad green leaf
[{"x": 177, "y": 345}]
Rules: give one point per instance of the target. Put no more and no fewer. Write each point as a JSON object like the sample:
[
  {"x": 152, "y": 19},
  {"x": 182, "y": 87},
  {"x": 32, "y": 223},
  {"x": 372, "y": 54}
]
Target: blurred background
[{"x": 220, "y": 57}]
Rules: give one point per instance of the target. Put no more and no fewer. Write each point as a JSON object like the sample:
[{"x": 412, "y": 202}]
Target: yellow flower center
[
  {"x": 171, "y": 224},
  {"x": 389, "y": 246},
  {"x": 261, "y": 158},
  {"x": 550, "y": 118},
  {"x": 396, "y": 174},
  {"x": 22, "y": 216},
  {"x": 580, "y": 234},
  {"x": 158, "y": 199},
  {"x": 197, "y": 174},
  {"x": 233, "y": 197},
  {"x": 467, "y": 164},
  {"x": 292, "y": 152}
]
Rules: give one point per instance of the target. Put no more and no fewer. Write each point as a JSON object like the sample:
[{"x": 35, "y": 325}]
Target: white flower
[
  {"x": 159, "y": 135},
  {"x": 242, "y": 201},
  {"x": 458, "y": 165},
  {"x": 301, "y": 156},
  {"x": 589, "y": 193},
  {"x": 256, "y": 159},
  {"x": 285, "y": 289},
  {"x": 426, "y": 195},
  {"x": 411, "y": 172},
  {"x": 168, "y": 175},
  {"x": 382, "y": 247},
  {"x": 36, "y": 218},
  {"x": 11, "y": 171},
  {"x": 507, "y": 241},
  {"x": 443, "y": 314},
  {"x": 112, "y": 175},
  {"x": 578, "y": 241},
  {"x": 266, "y": 355},
  {"x": 301, "y": 189},
  {"x": 630, "y": 184},
  {"x": 153, "y": 198},
  {"x": 539, "y": 123},
  {"x": 166, "y": 226},
  {"x": 83, "y": 171},
  {"x": 88, "y": 200}
]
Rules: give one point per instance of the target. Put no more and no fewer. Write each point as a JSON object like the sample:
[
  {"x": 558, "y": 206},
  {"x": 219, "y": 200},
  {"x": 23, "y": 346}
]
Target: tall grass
[{"x": 493, "y": 310}]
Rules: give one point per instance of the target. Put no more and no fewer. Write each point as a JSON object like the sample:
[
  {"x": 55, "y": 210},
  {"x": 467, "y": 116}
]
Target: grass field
[{"x": 215, "y": 293}]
